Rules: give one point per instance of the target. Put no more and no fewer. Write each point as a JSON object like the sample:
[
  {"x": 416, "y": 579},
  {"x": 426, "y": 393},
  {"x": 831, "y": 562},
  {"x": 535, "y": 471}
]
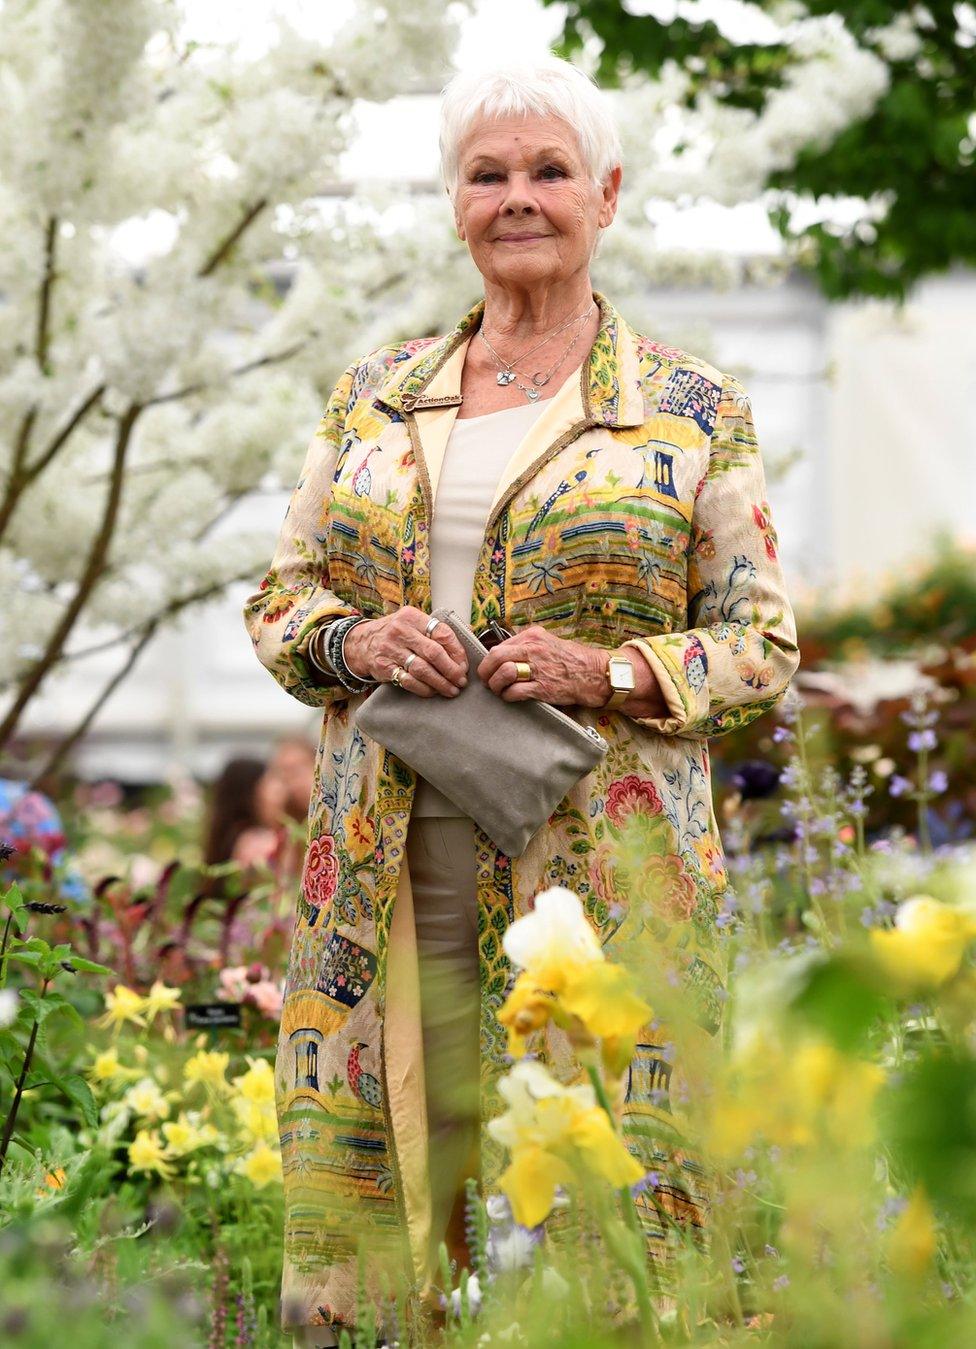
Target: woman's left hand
[{"x": 564, "y": 673}]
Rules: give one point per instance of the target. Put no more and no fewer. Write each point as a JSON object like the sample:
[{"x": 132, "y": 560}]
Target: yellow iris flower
[
  {"x": 555, "y": 1134},
  {"x": 925, "y": 948},
  {"x": 566, "y": 977}
]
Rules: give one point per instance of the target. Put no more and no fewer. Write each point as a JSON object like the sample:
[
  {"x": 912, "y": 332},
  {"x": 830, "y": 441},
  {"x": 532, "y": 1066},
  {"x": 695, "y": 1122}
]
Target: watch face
[{"x": 621, "y": 673}]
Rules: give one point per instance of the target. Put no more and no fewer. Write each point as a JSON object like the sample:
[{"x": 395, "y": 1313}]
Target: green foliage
[{"x": 916, "y": 144}]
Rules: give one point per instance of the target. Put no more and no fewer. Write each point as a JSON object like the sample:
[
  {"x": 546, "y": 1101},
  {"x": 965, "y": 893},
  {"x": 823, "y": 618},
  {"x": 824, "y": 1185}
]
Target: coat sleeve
[
  {"x": 295, "y": 598},
  {"x": 737, "y": 656}
]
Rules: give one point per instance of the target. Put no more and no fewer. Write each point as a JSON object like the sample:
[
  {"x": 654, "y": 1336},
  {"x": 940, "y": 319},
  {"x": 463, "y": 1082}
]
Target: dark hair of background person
[{"x": 233, "y": 809}]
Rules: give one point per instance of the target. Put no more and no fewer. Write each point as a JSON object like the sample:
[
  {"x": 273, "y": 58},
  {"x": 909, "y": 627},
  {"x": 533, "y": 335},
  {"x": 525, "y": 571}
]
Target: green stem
[
  {"x": 650, "y": 1327},
  {"x": 11, "y": 1120}
]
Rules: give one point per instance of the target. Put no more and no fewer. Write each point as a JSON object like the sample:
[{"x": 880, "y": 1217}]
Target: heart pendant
[
  {"x": 532, "y": 394},
  {"x": 505, "y": 376}
]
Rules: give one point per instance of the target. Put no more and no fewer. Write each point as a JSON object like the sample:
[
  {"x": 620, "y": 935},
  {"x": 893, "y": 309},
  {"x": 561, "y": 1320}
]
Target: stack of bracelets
[{"x": 326, "y": 651}]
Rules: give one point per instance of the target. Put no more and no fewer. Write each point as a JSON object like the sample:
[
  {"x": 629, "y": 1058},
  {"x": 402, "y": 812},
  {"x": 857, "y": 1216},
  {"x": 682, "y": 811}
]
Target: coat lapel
[{"x": 605, "y": 391}]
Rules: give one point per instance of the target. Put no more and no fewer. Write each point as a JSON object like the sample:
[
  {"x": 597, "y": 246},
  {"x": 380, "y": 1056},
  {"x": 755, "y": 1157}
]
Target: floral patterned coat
[{"x": 635, "y": 507}]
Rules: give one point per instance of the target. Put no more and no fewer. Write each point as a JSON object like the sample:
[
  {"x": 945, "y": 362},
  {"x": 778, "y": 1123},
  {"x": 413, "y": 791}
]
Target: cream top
[{"x": 477, "y": 451}]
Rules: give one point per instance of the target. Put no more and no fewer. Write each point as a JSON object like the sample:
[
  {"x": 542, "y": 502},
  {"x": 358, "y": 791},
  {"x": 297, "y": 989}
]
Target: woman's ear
[{"x": 611, "y": 192}]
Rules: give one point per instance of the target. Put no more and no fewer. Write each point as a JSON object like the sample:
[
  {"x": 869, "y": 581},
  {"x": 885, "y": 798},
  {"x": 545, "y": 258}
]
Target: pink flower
[
  {"x": 321, "y": 872},
  {"x": 629, "y": 794}
]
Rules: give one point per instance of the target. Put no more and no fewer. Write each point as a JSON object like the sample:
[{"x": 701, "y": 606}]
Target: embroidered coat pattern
[{"x": 634, "y": 509}]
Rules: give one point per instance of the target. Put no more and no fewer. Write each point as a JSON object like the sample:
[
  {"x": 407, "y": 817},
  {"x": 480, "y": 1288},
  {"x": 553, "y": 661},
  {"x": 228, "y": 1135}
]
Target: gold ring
[
  {"x": 523, "y": 670},
  {"x": 397, "y": 675}
]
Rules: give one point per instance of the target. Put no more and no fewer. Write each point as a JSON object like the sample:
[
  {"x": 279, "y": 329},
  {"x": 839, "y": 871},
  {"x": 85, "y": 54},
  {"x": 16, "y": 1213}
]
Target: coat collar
[{"x": 612, "y": 394}]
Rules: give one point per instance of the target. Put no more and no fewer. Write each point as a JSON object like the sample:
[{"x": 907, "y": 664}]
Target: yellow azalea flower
[
  {"x": 927, "y": 944},
  {"x": 913, "y": 1239},
  {"x": 122, "y": 1004},
  {"x": 183, "y": 1135},
  {"x": 261, "y": 1166},
  {"x": 160, "y": 998},
  {"x": 554, "y": 1133},
  {"x": 208, "y": 1066},
  {"x": 257, "y": 1084},
  {"x": 146, "y": 1100},
  {"x": 146, "y": 1153}
]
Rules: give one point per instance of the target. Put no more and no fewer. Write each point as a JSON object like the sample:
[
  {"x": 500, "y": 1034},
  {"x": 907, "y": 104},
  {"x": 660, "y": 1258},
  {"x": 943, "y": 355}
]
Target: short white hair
[{"x": 548, "y": 88}]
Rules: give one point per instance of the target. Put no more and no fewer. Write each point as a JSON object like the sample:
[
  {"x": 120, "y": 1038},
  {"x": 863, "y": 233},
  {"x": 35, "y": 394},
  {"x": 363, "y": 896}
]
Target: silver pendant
[
  {"x": 540, "y": 379},
  {"x": 532, "y": 394},
  {"x": 505, "y": 376}
]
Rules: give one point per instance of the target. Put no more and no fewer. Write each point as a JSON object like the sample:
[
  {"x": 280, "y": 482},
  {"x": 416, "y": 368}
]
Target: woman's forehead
[{"x": 514, "y": 137}]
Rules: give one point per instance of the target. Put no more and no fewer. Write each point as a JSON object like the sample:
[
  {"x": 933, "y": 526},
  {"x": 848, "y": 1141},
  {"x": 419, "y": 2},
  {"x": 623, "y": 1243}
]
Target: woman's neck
[{"x": 516, "y": 315}]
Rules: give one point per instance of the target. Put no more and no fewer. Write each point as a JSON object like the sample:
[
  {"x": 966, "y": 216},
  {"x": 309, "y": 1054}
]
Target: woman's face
[
  {"x": 525, "y": 204},
  {"x": 270, "y": 799}
]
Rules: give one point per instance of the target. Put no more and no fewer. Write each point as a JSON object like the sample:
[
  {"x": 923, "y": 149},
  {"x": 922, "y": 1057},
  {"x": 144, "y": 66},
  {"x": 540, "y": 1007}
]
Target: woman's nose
[{"x": 519, "y": 196}]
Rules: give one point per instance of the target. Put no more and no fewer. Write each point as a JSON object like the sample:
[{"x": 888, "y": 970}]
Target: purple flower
[
  {"x": 938, "y": 781},
  {"x": 738, "y": 1264},
  {"x": 897, "y": 785},
  {"x": 782, "y": 1281},
  {"x": 782, "y": 733},
  {"x": 919, "y": 740}
]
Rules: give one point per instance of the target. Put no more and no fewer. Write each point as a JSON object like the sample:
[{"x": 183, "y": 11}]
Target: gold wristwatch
[{"x": 620, "y": 672}]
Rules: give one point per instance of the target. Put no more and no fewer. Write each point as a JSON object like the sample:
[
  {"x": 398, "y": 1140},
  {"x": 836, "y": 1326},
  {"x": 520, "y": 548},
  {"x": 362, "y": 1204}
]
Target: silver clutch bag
[{"x": 507, "y": 765}]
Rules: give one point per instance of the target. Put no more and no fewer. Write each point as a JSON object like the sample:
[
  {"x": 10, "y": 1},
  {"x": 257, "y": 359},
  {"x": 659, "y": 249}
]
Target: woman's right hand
[{"x": 372, "y": 650}]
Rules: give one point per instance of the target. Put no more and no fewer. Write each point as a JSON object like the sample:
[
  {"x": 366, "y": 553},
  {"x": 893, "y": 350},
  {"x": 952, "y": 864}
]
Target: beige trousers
[{"x": 441, "y": 859}]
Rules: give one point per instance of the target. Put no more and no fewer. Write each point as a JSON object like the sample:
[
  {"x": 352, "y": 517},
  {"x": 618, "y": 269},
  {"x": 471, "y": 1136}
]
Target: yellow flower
[
  {"x": 913, "y": 1239},
  {"x": 209, "y": 1066},
  {"x": 257, "y": 1119},
  {"x": 146, "y": 1153},
  {"x": 261, "y": 1166},
  {"x": 601, "y": 996},
  {"x": 526, "y": 1009},
  {"x": 146, "y": 1099},
  {"x": 554, "y": 1133},
  {"x": 107, "y": 1068},
  {"x": 566, "y": 976},
  {"x": 794, "y": 1095},
  {"x": 160, "y": 998},
  {"x": 122, "y": 1004},
  {"x": 183, "y": 1135},
  {"x": 53, "y": 1180},
  {"x": 257, "y": 1084},
  {"x": 926, "y": 946}
]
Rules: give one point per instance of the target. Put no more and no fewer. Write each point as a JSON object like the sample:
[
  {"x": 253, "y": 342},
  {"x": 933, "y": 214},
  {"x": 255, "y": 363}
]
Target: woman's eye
[{"x": 553, "y": 168}]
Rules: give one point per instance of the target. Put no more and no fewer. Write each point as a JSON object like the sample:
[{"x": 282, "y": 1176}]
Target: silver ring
[
  {"x": 431, "y": 625},
  {"x": 412, "y": 656}
]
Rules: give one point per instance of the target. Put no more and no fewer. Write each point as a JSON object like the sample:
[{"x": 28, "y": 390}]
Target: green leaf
[
  {"x": 840, "y": 999},
  {"x": 78, "y": 1090},
  {"x": 89, "y": 966}
]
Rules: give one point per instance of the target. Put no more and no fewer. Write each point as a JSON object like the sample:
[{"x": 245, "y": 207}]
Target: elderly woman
[{"x": 601, "y": 496}]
